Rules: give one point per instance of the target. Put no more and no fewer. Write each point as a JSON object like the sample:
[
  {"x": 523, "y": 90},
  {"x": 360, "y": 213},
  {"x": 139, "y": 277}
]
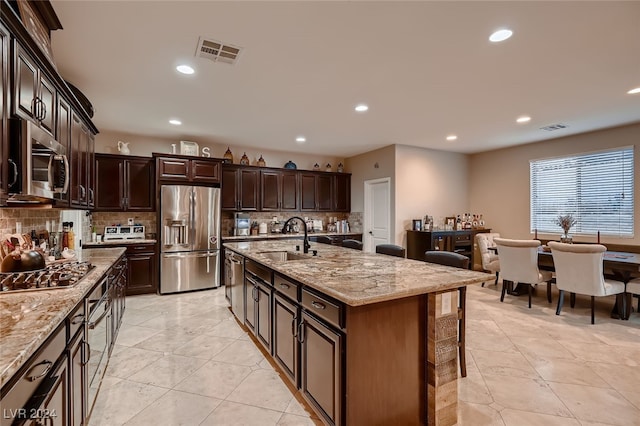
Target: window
[{"x": 596, "y": 188}]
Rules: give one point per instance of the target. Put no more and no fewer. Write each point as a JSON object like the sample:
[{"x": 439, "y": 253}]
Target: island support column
[{"x": 442, "y": 358}]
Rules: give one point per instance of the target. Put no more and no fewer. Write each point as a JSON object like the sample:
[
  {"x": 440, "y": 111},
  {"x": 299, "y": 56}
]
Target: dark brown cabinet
[
  {"x": 258, "y": 290},
  {"x": 142, "y": 267},
  {"x": 461, "y": 242},
  {"x": 78, "y": 379},
  {"x": 180, "y": 169},
  {"x": 124, "y": 183},
  {"x": 240, "y": 188},
  {"x": 82, "y": 164},
  {"x": 34, "y": 94},
  {"x": 285, "y": 344},
  {"x": 316, "y": 191},
  {"x": 4, "y": 109},
  {"x": 278, "y": 190},
  {"x": 342, "y": 193}
]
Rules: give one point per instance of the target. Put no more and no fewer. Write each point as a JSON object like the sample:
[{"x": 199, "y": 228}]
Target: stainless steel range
[{"x": 55, "y": 275}]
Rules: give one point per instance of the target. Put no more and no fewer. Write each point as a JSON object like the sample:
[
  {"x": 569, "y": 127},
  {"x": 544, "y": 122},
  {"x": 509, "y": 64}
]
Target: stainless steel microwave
[{"x": 38, "y": 164}]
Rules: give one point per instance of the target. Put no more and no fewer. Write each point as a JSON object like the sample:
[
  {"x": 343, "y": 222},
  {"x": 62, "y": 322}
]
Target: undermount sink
[{"x": 282, "y": 256}]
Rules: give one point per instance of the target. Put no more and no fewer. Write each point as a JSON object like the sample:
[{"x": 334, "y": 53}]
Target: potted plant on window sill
[{"x": 566, "y": 222}]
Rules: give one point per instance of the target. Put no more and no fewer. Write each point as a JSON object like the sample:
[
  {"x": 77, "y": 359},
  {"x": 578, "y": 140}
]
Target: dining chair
[
  {"x": 633, "y": 288},
  {"x": 456, "y": 260},
  {"x": 353, "y": 244},
  {"x": 490, "y": 259},
  {"x": 391, "y": 250},
  {"x": 579, "y": 269},
  {"x": 519, "y": 265}
]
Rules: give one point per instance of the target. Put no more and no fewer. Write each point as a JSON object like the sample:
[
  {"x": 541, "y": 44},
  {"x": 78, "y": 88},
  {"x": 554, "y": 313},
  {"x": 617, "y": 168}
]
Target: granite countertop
[
  {"x": 112, "y": 243},
  {"x": 358, "y": 278},
  {"x": 28, "y": 318},
  {"x": 279, "y": 235}
]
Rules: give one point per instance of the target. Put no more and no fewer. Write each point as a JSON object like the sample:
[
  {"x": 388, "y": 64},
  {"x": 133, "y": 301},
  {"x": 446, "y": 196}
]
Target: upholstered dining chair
[
  {"x": 391, "y": 250},
  {"x": 633, "y": 288},
  {"x": 456, "y": 260},
  {"x": 353, "y": 244},
  {"x": 490, "y": 259},
  {"x": 579, "y": 269},
  {"x": 519, "y": 265},
  {"x": 324, "y": 239}
]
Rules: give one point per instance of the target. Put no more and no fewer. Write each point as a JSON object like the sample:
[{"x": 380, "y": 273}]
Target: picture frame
[
  {"x": 417, "y": 224},
  {"x": 450, "y": 220},
  {"x": 189, "y": 148}
]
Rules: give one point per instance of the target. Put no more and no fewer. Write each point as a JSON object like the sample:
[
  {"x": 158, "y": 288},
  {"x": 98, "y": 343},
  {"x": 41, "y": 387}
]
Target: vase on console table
[{"x": 566, "y": 238}]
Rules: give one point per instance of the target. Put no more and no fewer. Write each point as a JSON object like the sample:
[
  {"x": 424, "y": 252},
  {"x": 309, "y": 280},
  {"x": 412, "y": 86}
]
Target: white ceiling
[{"x": 426, "y": 69}]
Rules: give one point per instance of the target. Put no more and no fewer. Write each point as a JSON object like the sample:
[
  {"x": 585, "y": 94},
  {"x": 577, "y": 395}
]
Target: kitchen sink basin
[{"x": 283, "y": 256}]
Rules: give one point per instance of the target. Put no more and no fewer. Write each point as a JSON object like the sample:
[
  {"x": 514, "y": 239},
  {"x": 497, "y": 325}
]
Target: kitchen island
[{"x": 366, "y": 338}]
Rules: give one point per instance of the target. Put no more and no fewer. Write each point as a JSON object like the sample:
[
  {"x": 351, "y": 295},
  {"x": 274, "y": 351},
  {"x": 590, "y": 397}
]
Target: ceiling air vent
[
  {"x": 553, "y": 127},
  {"x": 217, "y": 51}
]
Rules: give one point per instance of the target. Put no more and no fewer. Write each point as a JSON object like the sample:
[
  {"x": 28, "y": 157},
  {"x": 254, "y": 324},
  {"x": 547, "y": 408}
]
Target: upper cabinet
[
  {"x": 182, "y": 169},
  {"x": 124, "y": 183},
  {"x": 4, "y": 113},
  {"x": 34, "y": 95},
  {"x": 82, "y": 167},
  {"x": 250, "y": 188}
]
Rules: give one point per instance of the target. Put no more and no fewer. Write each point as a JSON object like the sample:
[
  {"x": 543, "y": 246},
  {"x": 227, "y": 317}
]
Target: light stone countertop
[
  {"x": 280, "y": 236},
  {"x": 27, "y": 318},
  {"x": 357, "y": 278}
]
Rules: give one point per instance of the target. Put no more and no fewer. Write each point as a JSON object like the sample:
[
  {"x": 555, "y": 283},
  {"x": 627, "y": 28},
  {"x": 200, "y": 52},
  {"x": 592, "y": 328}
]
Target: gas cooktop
[{"x": 55, "y": 275}]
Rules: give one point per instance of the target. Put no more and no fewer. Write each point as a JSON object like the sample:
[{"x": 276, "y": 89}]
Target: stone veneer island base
[{"x": 387, "y": 352}]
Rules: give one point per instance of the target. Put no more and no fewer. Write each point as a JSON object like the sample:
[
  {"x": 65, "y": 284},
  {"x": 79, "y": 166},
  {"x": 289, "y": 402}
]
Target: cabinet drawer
[
  {"x": 173, "y": 168},
  {"x": 141, "y": 248},
  {"x": 34, "y": 372},
  {"x": 463, "y": 238},
  {"x": 259, "y": 271},
  {"x": 322, "y": 307},
  {"x": 286, "y": 287},
  {"x": 75, "y": 321}
]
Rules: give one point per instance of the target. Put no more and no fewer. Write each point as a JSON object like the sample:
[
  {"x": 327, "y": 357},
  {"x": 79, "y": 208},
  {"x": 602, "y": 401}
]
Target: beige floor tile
[
  {"x": 130, "y": 360},
  {"x": 167, "y": 371},
  {"x": 228, "y": 328},
  {"x": 118, "y": 403},
  {"x": 478, "y": 415},
  {"x": 204, "y": 346},
  {"x": 231, "y": 413},
  {"x": 165, "y": 341},
  {"x": 293, "y": 420},
  {"x": 240, "y": 352},
  {"x": 295, "y": 407},
  {"x": 134, "y": 316},
  {"x": 597, "y": 404},
  {"x": 252, "y": 391},
  {"x": 525, "y": 395},
  {"x": 566, "y": 371},
  {"x": 546, "y": 347},
  {"x": 131, "y": 335},
  {"x": 601, "y": 353},
  {"x": 473, "y": 389},
  {"x": 214, "y": 379},
  {"x": 632, "y": 396},
  {"x": 176, "y": 409},
  {"x": 503, "y": 364},
  {"x": 525, "y": 418},
  {"x": 489, "y": 342},
  {"x": 619, "y": 377}
]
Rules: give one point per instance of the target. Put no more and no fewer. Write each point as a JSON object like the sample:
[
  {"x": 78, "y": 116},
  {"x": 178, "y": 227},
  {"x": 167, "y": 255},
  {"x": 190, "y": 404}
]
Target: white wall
[
  {"x": 428, "y": 182},
  {"x": 499, "y": 180},
  {"x": 107, "y": 141}
]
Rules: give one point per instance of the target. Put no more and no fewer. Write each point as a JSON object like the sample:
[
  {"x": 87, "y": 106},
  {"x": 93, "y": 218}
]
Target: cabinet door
[
  {"x": 77, "y": 189},
  {"x": 342, "y": 193},
  {"x": 289, "y": 191},
  {"x": 263, "y": 316},
  {"x": 285, "y": 344},
  {"x": 229, "y": 189},
  {"x": 63, "y": 132},
  {"x": 90, "y": 155},
  {"x": 55, "y": 408},
  {"x": 139, "y": 181},
  {"x": 270, "y": 190},
  {"x": 25, "y": 91},
  {"x": 173, "y": 169},
  {"x": 141, "y": 272},
  {"x": 325, "y": 193},
  {"x": 4, "y": 107},
  {"x": 321, "y": 368},
  {"x": 205, "y": 171},
  {"x": 109, "y": 183},
  {"x": 78, "y": 380},
  {"x": 308, "y": 192},
  {"x": 249, "y": 189},
  {"x": 46, "y": 105},
  {"x": 250, "y": 304}
]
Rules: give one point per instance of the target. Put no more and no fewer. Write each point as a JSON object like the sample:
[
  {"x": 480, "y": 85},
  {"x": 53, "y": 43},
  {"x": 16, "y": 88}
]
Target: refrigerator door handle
[{"x": 190, "y": 254}]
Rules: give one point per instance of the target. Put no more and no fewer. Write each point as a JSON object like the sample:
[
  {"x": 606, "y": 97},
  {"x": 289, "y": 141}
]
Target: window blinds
[{"x": 596, "y": 188}]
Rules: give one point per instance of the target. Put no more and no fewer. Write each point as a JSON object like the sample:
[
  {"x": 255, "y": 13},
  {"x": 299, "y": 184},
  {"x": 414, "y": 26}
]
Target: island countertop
[
  {"x": 27, "y": 318},
  {"x": 357, "y": 278}
]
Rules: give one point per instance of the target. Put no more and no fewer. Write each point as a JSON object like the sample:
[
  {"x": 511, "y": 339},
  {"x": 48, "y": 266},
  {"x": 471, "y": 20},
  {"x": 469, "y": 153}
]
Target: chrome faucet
[{"x": 306, "y": 244}]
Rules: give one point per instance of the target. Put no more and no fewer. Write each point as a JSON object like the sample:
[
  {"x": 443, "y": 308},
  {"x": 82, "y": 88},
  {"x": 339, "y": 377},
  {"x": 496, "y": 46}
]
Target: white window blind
[{"x": 596, "y": 188}]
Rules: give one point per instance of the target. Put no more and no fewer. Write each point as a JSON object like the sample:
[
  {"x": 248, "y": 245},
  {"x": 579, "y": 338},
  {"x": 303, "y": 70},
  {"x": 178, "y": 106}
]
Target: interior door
[{"x": 377, "y": 215}]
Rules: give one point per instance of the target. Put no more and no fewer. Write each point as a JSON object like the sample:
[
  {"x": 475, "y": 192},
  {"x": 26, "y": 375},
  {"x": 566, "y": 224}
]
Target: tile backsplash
[
  {"x": 147, "y": 219},
  {"x": 353, "y": 219},
  {"x": 29, "y": 218}
]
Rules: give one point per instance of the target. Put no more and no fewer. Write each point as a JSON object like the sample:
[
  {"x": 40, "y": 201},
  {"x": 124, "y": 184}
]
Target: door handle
[
  {"x": 48, "y": 364},
  {"x": 15, "y": 172},
  {"x": 370, "y": 232},
  {"x": 300, "y": 336},
  {"x": 293, "y": 326}
]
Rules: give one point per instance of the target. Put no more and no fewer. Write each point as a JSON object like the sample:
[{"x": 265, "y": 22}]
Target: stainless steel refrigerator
[{"x": 190, "y": 220}]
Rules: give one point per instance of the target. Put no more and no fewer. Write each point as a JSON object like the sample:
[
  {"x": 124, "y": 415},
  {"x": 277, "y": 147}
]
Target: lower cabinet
[
  {"x": 142, "y": 269},
  {"x": 285, "y": 331},
  {"x": 54, "y": 408},
  {"x": 78, "y": 353},
  {"x": 258, "y": 309}
]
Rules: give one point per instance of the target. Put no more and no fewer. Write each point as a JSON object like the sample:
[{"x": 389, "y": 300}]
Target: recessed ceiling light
[
  {"x": 452, "y": 137},
  {"x": 361, "y": 108},
  {"x": 175, "y": 122},
  {"x": 634, "y": 91},
  {"x": 301, "y": 139},
  {"x": 185, "y": 69},
  {"x": 523, "y": 119},
  {"x": 500, "y": 35}
]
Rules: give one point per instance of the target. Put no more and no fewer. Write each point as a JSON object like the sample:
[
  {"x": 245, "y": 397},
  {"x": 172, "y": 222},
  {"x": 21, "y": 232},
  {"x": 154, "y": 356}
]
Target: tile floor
[{"x": 183, "y": 360}]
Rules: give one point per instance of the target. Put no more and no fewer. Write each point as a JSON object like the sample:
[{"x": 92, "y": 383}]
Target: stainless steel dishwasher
[{"x": 235, "y": 280}]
